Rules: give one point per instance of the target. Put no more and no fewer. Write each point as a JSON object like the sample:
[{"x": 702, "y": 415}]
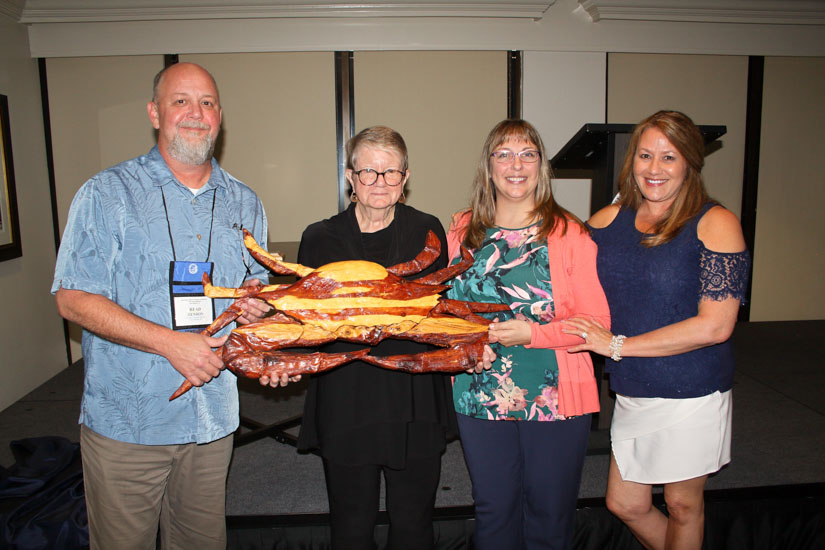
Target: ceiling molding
[
  {"x": 776, "y": 12},
  {"x": 57, "y": 12}
]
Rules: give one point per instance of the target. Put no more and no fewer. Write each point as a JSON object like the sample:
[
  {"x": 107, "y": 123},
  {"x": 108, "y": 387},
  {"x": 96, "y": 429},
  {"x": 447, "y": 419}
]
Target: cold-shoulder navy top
[{"x": 651, "y": 287}]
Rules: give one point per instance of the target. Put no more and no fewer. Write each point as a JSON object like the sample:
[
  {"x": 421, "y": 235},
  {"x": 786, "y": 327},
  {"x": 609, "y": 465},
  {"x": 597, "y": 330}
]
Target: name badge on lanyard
[{"x": 192, "y": 311}]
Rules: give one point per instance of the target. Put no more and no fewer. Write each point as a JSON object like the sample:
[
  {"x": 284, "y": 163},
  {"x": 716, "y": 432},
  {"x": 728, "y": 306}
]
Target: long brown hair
[
  {"x": 483, "y": 200},
  {"x": 685, "y": 136}
]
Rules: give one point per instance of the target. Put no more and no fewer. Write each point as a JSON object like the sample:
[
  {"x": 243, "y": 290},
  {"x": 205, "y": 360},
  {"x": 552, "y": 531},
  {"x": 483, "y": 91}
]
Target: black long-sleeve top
[{"x": 360, "y": 414}]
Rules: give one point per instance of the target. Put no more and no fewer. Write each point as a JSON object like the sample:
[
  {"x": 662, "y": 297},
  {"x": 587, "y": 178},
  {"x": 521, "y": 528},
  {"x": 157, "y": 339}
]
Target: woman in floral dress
[{"x": 524, "y": 423}]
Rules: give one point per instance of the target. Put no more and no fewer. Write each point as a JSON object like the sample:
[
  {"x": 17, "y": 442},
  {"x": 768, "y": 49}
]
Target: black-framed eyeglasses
[
  {"x": 506, "y": 157},
  {"x": 368, "y": 176}
]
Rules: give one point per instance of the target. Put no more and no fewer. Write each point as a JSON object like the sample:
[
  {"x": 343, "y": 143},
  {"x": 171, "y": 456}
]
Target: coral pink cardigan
[{"x": 577, "y": 292}]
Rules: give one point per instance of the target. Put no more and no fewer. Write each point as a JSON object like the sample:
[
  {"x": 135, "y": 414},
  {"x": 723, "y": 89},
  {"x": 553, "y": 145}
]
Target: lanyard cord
[
  {"x": 169, "y": 225},
  {"x": 247, "y": 266}
]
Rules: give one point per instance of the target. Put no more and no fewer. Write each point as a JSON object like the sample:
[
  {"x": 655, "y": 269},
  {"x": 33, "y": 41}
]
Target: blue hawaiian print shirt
[{"x": 117, "y": 244}]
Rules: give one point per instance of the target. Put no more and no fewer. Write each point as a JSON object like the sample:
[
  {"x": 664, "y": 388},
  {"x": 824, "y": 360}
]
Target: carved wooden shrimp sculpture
[{"x": 355, "y": 301}]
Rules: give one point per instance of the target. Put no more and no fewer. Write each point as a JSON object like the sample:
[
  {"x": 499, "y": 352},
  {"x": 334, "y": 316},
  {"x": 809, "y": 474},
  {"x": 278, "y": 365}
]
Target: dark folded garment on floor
[
  {"x": 53, "y": 519},
  {"x": 37, "y": 460},
  {"x": 42, "y": 496}
]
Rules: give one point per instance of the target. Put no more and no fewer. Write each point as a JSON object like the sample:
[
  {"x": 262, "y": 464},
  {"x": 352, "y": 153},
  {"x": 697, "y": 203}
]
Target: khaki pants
[{"x": 131, "y": 490}]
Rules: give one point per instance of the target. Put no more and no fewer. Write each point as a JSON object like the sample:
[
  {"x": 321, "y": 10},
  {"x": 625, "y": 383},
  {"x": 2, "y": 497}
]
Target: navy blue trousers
[{"x": 525, "y": 480}]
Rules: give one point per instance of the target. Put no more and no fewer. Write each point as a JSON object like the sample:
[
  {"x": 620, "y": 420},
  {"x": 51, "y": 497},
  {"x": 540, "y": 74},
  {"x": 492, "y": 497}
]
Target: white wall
[
  {"x": 278, "y": 132},
  {"x": 98, "y": 117},
  {"x": 711, "y": 89},
  {"x": 561, "y": 92},
  {"x": 443, "y": 104},
  {"x": 31, "y": 332},
  {"x": 789, "y": 259}
]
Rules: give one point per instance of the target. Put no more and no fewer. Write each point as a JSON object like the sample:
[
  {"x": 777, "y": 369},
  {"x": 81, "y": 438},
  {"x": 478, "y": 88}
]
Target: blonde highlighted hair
[
  {"x": 686, "y": 137},
  {"x": 483, "y": 201}
]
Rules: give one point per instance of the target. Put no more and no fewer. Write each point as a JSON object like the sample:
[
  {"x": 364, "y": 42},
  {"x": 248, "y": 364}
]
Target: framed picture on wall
[{"x": 9, "y": 225}]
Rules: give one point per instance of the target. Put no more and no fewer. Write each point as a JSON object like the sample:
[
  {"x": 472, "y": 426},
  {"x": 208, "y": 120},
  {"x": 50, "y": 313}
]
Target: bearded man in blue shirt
[{"x": 138, "y": 238}]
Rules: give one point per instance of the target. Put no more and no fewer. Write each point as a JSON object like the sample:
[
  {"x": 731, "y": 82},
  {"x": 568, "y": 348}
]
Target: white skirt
[{"x": 657, "y": 440}]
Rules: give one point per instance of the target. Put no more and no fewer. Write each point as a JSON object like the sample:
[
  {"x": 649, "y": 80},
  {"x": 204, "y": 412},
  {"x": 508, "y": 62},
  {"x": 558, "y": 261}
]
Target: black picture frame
[{"x": 10, "y": 246}]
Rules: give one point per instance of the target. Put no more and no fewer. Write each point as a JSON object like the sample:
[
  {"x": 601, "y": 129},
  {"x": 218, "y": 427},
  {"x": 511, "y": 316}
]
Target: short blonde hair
[{"x": 378, "y": 137}]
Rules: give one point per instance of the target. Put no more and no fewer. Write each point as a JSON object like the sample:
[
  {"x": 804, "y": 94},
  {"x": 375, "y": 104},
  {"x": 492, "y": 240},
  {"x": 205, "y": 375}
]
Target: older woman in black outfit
[{"x": 366, "y": 421}]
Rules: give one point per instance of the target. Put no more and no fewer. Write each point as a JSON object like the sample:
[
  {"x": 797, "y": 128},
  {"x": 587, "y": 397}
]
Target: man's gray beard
[{"x": 189, "y": 152}]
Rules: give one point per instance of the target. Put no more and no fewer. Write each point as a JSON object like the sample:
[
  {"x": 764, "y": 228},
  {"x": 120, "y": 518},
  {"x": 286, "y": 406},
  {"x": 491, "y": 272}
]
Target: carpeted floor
[
  {"x": 778, "y": 434},
  {"x": 778, "y": 445}
]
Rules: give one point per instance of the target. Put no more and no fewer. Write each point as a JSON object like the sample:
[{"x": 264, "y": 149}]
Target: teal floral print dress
[{"x": 512, "y": 267}]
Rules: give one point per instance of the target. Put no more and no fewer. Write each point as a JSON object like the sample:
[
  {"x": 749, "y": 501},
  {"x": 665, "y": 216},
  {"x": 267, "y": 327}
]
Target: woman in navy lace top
[{"x": 674, "y": 267}]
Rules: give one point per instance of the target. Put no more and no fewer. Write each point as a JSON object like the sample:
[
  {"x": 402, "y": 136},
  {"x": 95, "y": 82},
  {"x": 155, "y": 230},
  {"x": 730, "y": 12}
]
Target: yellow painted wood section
[
  {"x": 335, "y": 305},
  {"x": 223, "y": 292},
  {"x": 284, "y": 332},
  {"x": 352, "y": 270}
]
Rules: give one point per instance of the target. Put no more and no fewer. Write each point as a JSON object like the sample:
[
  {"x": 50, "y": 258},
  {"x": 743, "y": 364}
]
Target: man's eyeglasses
[
  {"x": 506, "y": 157},
  {"x": 368, "y": 176}
]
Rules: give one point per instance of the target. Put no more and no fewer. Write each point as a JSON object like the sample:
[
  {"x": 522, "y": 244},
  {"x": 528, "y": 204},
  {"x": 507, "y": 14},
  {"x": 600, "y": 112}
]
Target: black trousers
[{"x": 354, "y": 493}]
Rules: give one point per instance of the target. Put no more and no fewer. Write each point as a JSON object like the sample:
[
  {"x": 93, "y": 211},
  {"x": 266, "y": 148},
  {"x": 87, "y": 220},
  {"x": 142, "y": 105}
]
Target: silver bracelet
[{"x": 616, "y": 344}]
